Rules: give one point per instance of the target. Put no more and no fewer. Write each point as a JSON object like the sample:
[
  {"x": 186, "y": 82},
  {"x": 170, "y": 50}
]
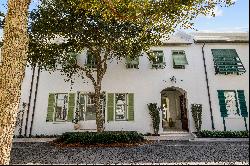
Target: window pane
[
  {"x": 231, "y": 104},
  {"x": 61, "y": 107},
  {"x": 90, "y": 109},
  {"x": 121, "y": 107},
  {"x": 159, "y": 57},
  {"x": 82, "y": 107}
]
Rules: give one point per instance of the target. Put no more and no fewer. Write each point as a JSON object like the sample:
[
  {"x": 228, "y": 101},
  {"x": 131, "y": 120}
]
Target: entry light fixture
[{"x": 173, "y": 79}]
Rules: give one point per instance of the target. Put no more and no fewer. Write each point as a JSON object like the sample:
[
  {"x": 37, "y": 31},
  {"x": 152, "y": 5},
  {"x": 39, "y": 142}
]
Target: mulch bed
[{"x": 122, "y": 145}]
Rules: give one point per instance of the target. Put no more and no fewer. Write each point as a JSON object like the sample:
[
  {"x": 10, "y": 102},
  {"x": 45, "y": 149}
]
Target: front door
[{"x": 183, "y": 106}]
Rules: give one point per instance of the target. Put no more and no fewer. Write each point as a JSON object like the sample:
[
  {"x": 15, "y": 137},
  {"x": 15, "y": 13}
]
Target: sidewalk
[
  {"x": 33, "y": 139},
  {"x": 156, "y": 153},
  {"x": 152, "y": 138},
  {"x": 219, "y": 140}
]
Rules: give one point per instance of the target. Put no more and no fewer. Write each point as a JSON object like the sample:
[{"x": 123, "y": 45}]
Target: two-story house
[{"x": 199, "y": 68}]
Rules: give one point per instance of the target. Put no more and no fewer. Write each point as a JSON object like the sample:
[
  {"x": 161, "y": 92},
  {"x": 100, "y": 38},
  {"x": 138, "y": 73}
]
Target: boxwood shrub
[
  {"x": 106, "y": 137},
  {"x": 223, "y": 134}
]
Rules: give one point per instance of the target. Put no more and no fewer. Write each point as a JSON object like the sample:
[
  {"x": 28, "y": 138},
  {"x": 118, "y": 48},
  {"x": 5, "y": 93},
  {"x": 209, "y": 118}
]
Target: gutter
[
  {"x": 221, "y": 41},
  {"x": 34, "y": 106},
  {"x": 28, "y": 110},
  {"x": 208, "y": 90}
]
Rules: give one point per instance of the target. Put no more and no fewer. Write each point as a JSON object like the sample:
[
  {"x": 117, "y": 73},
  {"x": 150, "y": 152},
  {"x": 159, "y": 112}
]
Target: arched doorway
[{"x": 174, "y": 109}]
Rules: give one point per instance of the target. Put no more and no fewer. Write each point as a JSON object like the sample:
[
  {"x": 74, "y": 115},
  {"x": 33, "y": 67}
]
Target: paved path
[{"x": 163, "y": 152}]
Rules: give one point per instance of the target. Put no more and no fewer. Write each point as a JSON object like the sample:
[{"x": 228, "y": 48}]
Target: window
[
  {"x": 227, "y": 61},
  {"x": 86, "y": 106},
  {"x": 132, "y": 63},
  {"x": 158, "y": 61},
  {"x": 120, "y": 106},
  {"x": 61, "y": 107},
  {"x": 179, "y": 59},
  {"x": 91, "y": 60},
  {"x": 232, "y": 103}
]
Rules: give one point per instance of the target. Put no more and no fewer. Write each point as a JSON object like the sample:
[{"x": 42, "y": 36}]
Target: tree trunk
[
  {"x": 99, "y": 115},
  {"x": 12, "y": 72}
]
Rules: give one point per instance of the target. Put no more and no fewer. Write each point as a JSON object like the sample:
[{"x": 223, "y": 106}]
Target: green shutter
[
  {"x": 222, "y": 103},
  {"x": 130, "y": 107},
  {"x": 110, "y": 106},
  {"x": 159, "y": 57},
  {"x": 71, "y": 107},
  {"x": 51, "y": 107},
  {"x": 242, "y": 102},
  {"x": 227, "y": 61}
]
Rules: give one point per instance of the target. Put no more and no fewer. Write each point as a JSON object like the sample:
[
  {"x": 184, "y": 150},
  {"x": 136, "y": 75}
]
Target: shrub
[
  {"x": 106, "y": 137},
  {"x": 223, "y": 134},
  {"x": 196, "y": 110},
  {"x": 155, "y": 116}
]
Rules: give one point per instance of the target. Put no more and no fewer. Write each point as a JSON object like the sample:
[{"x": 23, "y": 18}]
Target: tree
[
  {"x": 12, "y": 69},
  {"x": 111, "y": 29}
]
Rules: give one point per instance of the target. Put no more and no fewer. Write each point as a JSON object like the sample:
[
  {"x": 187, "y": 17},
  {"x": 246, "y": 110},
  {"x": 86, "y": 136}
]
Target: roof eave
[{"x": 221, "y": 41}]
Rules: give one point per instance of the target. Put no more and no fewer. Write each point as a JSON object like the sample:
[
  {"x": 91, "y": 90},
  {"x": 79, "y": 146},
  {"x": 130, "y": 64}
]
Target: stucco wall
[
  {"x": 146, "y": 84},
  {"x": 227, "y": 82}
]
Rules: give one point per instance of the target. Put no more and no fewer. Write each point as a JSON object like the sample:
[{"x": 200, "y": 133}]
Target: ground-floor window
[
  {"x": 86, "y": 107},
  {"x": 232, "y": 103},
  {"x": 61, "y": 107},
  {"x": 120, "y": 107}
]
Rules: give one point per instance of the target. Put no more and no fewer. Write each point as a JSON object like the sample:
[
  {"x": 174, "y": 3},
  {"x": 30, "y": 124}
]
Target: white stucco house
[{"x": 211, "y": 69}]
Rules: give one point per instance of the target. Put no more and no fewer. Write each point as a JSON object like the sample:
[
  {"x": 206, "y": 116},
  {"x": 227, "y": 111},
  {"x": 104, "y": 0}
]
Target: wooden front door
[{"x": 184, "y": 118}]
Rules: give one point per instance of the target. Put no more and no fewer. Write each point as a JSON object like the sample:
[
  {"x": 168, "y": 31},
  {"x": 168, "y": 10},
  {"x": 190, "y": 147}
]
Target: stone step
[
  {"x": 175, "y": 134},
  {"x": 171, "y": 136}
]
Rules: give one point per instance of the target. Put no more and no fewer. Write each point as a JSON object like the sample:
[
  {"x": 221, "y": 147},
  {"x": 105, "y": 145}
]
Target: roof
[
  {"x": 221, "y": 37},
  {"x": 178, "y": 38}
]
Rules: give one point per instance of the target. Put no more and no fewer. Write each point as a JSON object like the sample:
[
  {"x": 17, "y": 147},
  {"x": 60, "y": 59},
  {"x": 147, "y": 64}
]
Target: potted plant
[
  {"x": 76, "y": 124},
  {"x": 155, "y": 116}
]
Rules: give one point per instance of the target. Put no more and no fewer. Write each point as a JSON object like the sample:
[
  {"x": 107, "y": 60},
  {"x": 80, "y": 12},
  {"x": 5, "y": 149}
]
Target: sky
[{"x": 230, "y": 19}]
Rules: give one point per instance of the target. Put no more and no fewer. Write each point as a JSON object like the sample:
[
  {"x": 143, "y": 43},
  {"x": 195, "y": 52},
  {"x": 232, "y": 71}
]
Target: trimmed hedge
[
  {"x": 106, "y": 137},
  {"x": 223, "y": 134}
]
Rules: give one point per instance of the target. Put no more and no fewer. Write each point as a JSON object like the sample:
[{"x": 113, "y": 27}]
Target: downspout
[
  {"x": 34, "y": 106},
  {"x": 28, "y": 110},
  {"x": 208, "y": 90}
]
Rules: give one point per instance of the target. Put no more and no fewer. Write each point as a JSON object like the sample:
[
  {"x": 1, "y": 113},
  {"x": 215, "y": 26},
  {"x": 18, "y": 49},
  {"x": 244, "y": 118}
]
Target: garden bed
[{"x": 102, "y": 139}]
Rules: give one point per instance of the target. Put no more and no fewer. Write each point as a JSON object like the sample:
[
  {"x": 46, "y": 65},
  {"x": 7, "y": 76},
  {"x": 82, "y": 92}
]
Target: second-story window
[
  {"x": 159, "y": 60},
  {"x": 227, "y": 61},
  {"x": 91, "y": 60},
  {"x": 179, "y": 59},
  {"x": 132, "y": 63}
]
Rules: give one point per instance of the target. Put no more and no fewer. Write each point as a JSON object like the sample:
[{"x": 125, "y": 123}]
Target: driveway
[{"x": 162, "y": 152}]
